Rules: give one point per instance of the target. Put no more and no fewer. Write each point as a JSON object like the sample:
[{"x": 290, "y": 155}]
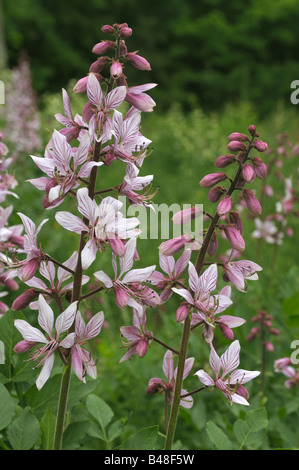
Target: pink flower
[
  {"x": 207, "y": 305},
  {"x": 229, "y": 380},
  {"x": 72, "y": 126},
  {"x": 63, "y": 166},
  {"x": 173, "y": 270},
  {"x": 238, "y": 272},
  {"x": 158, "y": 385},
  {"x": 128, "y": 285},
  {"x": 81, "y": 359},
  {"x": 106, "y": 225},
  {"x": 136, "y": 97},
  {"x": 34, "y": 336},
  {"x": 137, "y": 335},
  {"x": 132, "y": 183}
]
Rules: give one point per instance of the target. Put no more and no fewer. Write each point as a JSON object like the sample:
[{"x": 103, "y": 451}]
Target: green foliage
[{"x": 206, "y": 53}]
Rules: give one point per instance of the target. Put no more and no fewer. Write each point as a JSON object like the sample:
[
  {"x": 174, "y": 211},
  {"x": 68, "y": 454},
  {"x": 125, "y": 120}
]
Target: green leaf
[
  {"x": 24, "y": 431},
  {"x": 218, "y": 437},
  {"x": 7, "y": 407},
  {"x": 115, "y": 430},
  {"x": 99, "y": 409},
  {"x": 251, "y": 431},
  {"x": 47, "y": 424},
  {"x": 145, "y": 439}
]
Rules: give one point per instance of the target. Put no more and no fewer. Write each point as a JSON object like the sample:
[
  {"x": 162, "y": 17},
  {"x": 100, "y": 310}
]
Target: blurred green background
[{"x": 220, "y": 66}]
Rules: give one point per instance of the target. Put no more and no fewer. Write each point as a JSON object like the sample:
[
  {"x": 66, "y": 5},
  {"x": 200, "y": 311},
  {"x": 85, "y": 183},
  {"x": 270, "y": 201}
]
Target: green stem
[{"x": 187, "y": 324}]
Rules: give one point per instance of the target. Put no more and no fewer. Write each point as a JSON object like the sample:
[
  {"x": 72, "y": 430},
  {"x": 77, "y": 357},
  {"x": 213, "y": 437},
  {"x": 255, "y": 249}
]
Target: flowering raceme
[{"x": 93, "y": 143}]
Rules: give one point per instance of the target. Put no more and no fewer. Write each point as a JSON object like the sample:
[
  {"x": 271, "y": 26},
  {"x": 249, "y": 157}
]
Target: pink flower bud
[
  {"x": 3, "y": 308},
  {"x": 99, "y": 64},
  {"x": 260, "y": 168},
  {"x": 10, "y": 284},
  {"x": 117, "y": 246},
  {"x": 102, "y": 47},
  {"x": 24, "y": 299},
  {"x": 126, "y": 31},
  {"x": 141, "y": 348},
  {"x": 274, "y": 331},
  {"x": 121, "y": 297},
  {"x": 116, "y": 69},
  {"x": 141, "y": 101},
  {"x": 248, "y": 173},
  {"x": 154, "y": 385},
  {"x": 107, "y": 29},
  {"x": 236, "y": 145},
  {"x": 268, "y": 191},
  {"x": 173, "y": 246},
  {"x": 237, "y": 136},
  {"x": 224, "y": 206},
  {"x": 29, "y": 269},
  {"x": 226, "y": 331},
  {"x": 137, "y": 61},
  {"x": 225, "y": 160},
  {"x": 215, "y": 193},
  {"x": 17, "y": 240},
  {"x": 235, "y": 219},
  {"x": 252, "y": 202},
  {"x": 186, "y": 215},
  {"x": 243, "y": 392},
  {"x": 252, "y": 130},
  {"x": 211, "y": 179},
  {"x": 23, "y": 346},
  {"x": 213, "y": 245},
  {"x": 182, "y": 312},
  {"x": 81, "y": 85},
  {"x": 234, "y": 237},
  {"x": 269, "y": 346},
  {"x": 260, "y": 145}
]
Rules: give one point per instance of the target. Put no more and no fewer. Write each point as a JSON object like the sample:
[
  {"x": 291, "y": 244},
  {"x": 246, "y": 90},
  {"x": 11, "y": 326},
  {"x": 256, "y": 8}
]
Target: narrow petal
[
  {"x": 45, "y": 315},
  {"x": 70, "y": 222},
  {"x": 45, "y": 372},
  {"x": 65, "y": 320},
  {"x": 30, "y": 333}
]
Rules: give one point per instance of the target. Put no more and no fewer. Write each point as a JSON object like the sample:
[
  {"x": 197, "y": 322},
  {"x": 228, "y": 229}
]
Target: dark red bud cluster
[{"x": 264, "y": 320}]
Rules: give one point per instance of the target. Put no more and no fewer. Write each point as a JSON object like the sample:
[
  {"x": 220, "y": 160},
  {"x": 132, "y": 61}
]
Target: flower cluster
[
  {"x": 264, "y": 328},
  {"x": 284, "y": 365},
  {"x": 21, "y": 112},
  {"x": 102, "y": 135}
]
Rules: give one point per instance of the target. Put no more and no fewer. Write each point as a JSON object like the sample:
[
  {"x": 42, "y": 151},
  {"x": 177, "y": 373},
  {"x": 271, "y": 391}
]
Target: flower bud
[
  {"x": 102, "y": 47},
  {"x": 274, "y": 331},
  {"x": 186, "y": 215},
  {"x": 29, "y": 269},
  {"x": 211, "y": 179},
  {"x": 248, "y": 173},
  {"x": 141, "y": 101},
  {"x": 107, "y": 29},
  {"x": 126, "y": 31},
  {"x": 17, "y": 240},
  {"x": 252, "y": 130},
  {"x": 121, "y": 297},
  {"x": 224, "y": 206},
  {"x": 252, "y": 202},
  {"x": 269, "y": 346},
  {"x": 260, "y": 168},
  {"x": 137, "y": 61},
  {"x": 225, "y": 160},
  {"x": 24, "y": 299},
  {"x": 23, "y": 346},
  {"x": 116, "y": 69},
  {"x": 234, "y": 237},
  {"x": 141, "y": 348},
  {"x": 81, "y": 85},
  {"x": 260, "y": 145},
  {"x": 182, "y": 312},
  {"x": 237, "y": 136},
  {"x": 242, "y": 391},
  {"x": 235, "y": 219},
  {"x": 236, "y": 145},
  {"x": 99, "y": 64},
  {"x": 213, "y": 245},
  {"x": 117, "y": 246},
  {"x": 226, "y": 331},
  {"x": 173, "y": 246},
  {"x": 215, "y": 193}
]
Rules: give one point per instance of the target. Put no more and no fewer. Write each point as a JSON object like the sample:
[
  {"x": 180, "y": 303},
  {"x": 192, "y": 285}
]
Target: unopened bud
[
  {"x": 211, "y": 179},
  {"x": 234, "y": 237},
  {"x": 236, "y": 145},
  {"x": 248, "y": 173},
  {"x": 137, "y": 61},
  {"x": 173, "y": 246},
  {"x": 182, "y": 312},
  {"x": 24, "y": 299},
  {"x": 102, "y": 47},
  {"x": 23, "y": 346},
  {"x": 225, "y": 160},
  {"x": 107, "y": 29},
  {"x": 260, "y": 145},
  {"x": 252, "y": 202},
  {"x": 186, "y": 215},
  {"x": 224, "y": 206},
  {"x": 237, "y": 136},
  {"x": 116, "y": 69}
]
